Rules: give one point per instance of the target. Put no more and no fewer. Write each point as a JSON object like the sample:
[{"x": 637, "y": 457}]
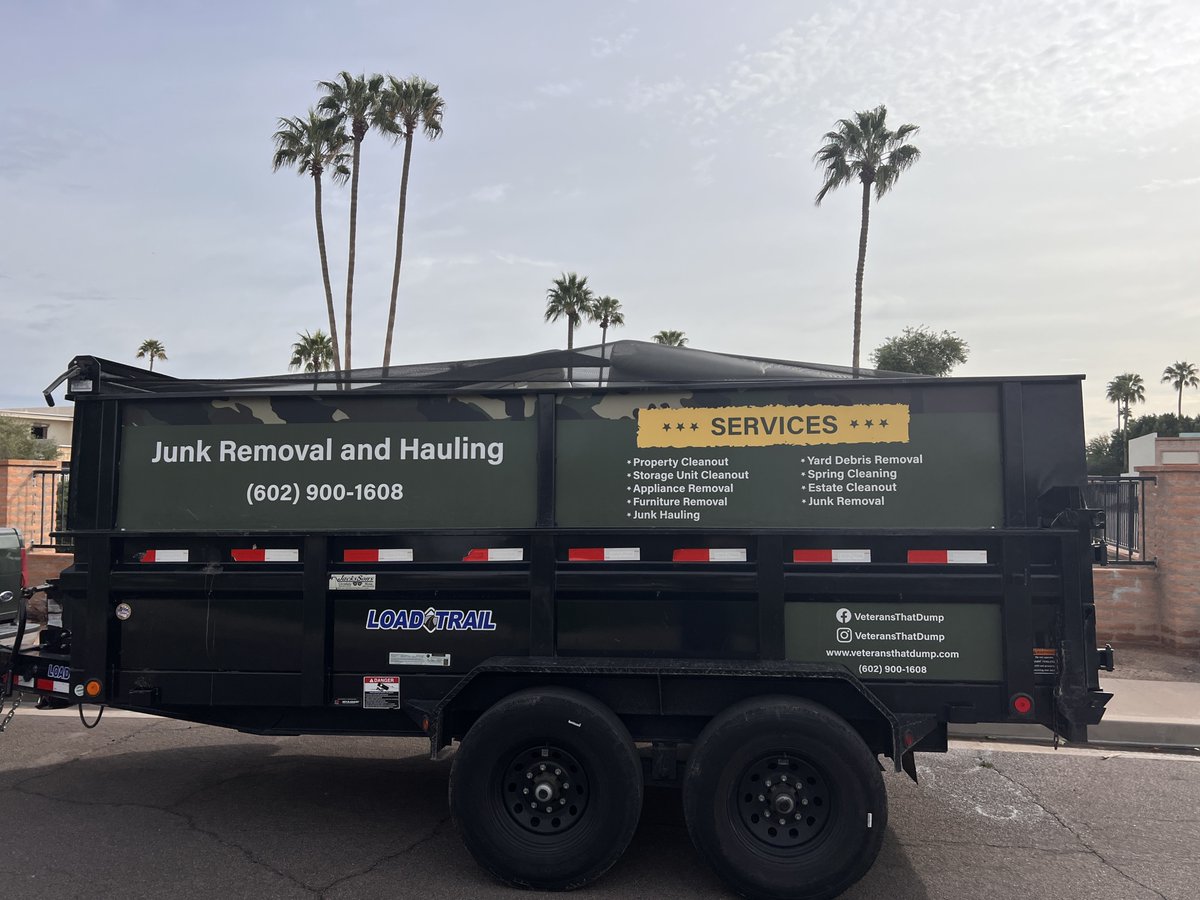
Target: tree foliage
[
  {"x": 670, "y": 338},
  {"x": 18, "y": 442},
  {"x": 152, "y": 350},
  {"x": 1106, "y": 452},
  {"x": 312, "y": 352},
  {"x": 1180, "y": 375},
  {"x": 864, "y": 149},
  {"x": 921, "y": 351}
]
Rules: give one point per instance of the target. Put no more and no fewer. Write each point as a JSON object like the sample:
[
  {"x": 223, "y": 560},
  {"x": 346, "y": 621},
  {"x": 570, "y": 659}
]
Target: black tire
[
  {"x": 537, "y": 733},
  {"x": 834, "y": 828}
]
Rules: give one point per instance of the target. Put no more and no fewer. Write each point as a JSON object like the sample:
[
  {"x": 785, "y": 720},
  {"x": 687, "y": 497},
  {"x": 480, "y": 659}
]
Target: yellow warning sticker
[{"x": 770, "y": 426}]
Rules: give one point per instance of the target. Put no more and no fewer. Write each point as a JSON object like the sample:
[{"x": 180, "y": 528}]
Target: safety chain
[{"x": 12, "y": 711}]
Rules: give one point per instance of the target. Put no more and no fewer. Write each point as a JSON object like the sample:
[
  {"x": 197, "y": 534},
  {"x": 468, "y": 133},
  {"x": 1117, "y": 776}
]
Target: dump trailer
[{"x": 591, "y": 571}]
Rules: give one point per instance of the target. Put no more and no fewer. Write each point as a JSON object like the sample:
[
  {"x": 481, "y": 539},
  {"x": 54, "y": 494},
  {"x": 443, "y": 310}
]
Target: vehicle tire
[
  {"x": 565, "y": 752},
  {"x": 807, "y": 767}
]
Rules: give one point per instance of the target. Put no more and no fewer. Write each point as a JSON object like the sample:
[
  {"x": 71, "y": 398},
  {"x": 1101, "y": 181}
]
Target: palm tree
[
  {"x": 312, "y": 352},
  {"x": 313, "y": 145},
  {"x": 1125, "y": 389},
  {"x": 570, "y": 298},
  {"x": 670, "y": 338},
  {"x": 405, "y": 105},
  {"x": 153, "y": 350},
  {"x": 866, "y": 150},
  {"x": 354, "y": 100},
  {"x": 1181, "y": 375},
  {"x": 606, "y": 311}
]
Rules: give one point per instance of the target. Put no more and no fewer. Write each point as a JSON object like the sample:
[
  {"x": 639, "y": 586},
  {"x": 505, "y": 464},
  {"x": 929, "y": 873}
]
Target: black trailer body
[{"x": 407, "y": 556}]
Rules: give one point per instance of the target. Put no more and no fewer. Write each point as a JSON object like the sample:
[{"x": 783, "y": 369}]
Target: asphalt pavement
[{"x": 150, "y": 808}]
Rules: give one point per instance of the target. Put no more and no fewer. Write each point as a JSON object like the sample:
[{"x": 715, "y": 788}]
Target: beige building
[{"x": 47, "y": 423}]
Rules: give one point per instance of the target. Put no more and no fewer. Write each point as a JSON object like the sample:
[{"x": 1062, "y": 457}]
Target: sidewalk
[{"x": 1151, "y": 713}]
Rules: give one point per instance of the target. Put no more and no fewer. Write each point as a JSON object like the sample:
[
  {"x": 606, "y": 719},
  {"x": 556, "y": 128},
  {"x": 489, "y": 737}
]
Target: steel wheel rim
[
  {"x": 544, "y": 790},
  {"x": 782, "y": 801}
]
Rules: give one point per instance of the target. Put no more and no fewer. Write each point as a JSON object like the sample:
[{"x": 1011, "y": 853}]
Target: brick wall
[
  {"x": 25, "y": 497},
  {"x": 1158, "y": 605},
  {"x": 1128, "y": 605}
]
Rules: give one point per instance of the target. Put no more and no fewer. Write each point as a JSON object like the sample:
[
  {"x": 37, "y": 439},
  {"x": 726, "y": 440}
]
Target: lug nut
[
  {"x": 762, "y": 796},
  {"x": 781, "y": 822},
  {"x": 767, "y": 782},
  {"x": 783, "y": 778},
  {"x": 525, "y": 790},
  {"x": 566, "y": 784},
  {"x": 797, "y": 817},
  {"x": 529, "y": 775},
  {"x": 804, "y": 801},
  {"x": 558, "y": 771},
  {"x": 563, "y": 802},
  {"x": 542, "y": 767}
]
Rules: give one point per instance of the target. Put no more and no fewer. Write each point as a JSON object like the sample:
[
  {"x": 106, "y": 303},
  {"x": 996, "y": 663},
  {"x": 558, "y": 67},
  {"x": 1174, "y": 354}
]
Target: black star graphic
[
  {"x": 883, "y": 423},
  {"x": 854, "y": 423},
  {"x": 870, "y": 423},
  {"x": 679, "y": 427},
  {"x": 694, "y": 426},
  {"x": 666, "y": 426}
]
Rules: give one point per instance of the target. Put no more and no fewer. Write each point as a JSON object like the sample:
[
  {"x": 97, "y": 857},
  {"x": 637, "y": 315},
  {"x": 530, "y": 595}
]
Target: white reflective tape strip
[
  {"x": 280, "y": 555},
  {"x": 976, "y": 557},
  {"x": 176, "y": 556},
  {"x": 396, "y": 554},
  {"x": 851, "y": 556},
  {"x": 505, "y": 554},
  {"x": 727, "y": 554},
  {"x": 25, "y": 682},
  {"x": 62, "y": 687},
  {"x": 619, "y": 554}
]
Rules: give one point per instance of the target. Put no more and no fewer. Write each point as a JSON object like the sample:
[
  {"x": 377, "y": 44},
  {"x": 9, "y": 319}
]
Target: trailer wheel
[
  {"x": 785, "y": 800},
  {"x": 546, "y": 789}
]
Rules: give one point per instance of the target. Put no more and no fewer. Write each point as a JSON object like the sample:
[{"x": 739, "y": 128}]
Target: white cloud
[
  {"x": 492, "y": 193},
  {"x": 642, "y": 95},
  {"x": 512, "y": 259},
  {"x": 1162, "y": 184},
  {"x": 1012, "y": 73},
  {"x": 604, "y": 47},
  {"x": 559, "y": 88}
]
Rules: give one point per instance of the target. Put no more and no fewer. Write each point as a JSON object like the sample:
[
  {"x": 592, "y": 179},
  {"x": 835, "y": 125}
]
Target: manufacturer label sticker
[
  {"x": 351, "y": 581},
  {"x": 419, "y": 659},
  {"x": 381, "y": 692}
]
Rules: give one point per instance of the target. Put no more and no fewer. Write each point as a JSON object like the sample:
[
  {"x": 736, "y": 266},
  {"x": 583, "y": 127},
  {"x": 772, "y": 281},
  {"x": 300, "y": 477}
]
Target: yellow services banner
[{"x": 771, "y": 426}]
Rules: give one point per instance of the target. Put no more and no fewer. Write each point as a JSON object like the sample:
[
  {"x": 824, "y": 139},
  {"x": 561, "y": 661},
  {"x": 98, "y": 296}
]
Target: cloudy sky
[{"x": 661, "y": 148}]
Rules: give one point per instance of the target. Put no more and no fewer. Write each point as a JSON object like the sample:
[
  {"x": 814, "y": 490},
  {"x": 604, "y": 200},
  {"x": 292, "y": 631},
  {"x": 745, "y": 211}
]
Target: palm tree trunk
[
  {"x": 1179, "y": 409},
  {"x": 858, "y": 275},
  {"x": 603, "y": 343},
  {"x": 387, "y": 342},
  {"x": 350, "y": 255},
  {"x": 333, "y": 332},
  {"x": 151, "y": 362},
  {"x": 570, "y": 346}
]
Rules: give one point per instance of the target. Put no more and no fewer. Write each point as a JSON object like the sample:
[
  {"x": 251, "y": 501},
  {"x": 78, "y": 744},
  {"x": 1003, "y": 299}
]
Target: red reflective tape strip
[
  {"x": 586, "y": 554},
  {"x": 495, "y": 554},
  {"x": 604, "y": 554},
  {"x": 360, "y": 556},
  {"x": 709, "y": 554},
  {"x": 43, "y": 684},
  {"x": 923, "y": 557},
  {"x": 948, "y": 557},
  {"x": 283, "y": 554},
  {"x": 812, "y": 556},
  {"x": 148, "y": 556}
]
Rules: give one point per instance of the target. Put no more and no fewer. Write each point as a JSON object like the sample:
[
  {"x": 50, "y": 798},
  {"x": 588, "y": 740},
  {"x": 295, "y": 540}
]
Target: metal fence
[
  {"x": 49, "y": 512},
  {"x": 1123, "y": 499}
]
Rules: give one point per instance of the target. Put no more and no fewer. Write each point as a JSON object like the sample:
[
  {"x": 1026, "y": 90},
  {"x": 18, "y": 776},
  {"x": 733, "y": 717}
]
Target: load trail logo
[
  {"x": 768, "y": 426},
  {"x": 430, "y": 619}
]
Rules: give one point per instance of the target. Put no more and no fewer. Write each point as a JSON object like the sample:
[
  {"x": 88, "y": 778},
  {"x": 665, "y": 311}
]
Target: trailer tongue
[{"x": 764, "y": 573}]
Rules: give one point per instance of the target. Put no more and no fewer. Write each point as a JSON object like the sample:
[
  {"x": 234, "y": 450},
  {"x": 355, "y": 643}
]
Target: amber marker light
[{"x": 93, "y": 688}]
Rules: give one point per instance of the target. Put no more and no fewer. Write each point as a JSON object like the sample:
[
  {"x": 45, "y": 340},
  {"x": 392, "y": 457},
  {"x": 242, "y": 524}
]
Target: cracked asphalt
[{"x": 150, "y": 808}]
